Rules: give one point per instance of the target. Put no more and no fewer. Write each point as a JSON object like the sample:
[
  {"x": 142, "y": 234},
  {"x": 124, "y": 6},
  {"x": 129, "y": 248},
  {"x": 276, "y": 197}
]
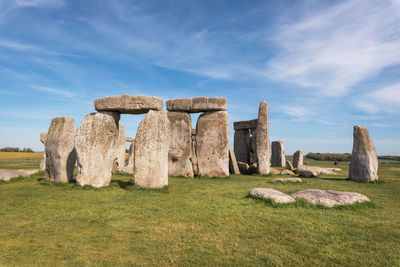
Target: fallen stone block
[
  {"x": 268, "y": 193},
  {"x": 330, "y": 198}
]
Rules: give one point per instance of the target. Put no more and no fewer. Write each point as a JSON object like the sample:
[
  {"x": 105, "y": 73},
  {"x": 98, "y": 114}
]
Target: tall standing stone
[
  {"x": 131, "y": 154},
  {"x": 263, "y": 144},
  {"x": 213, "y": 144},
  {"x": 253, "y": 146},
  {"x": 180, "y": 148},
  {"x": 95, "y": 142},
  {"x": 60, "y": 151},
  {"x": 278, "y": 154},
  {"x": 241, "y": 145},
  {"x": 193, "y": 156},
  {"x": 151, "y": 151},
  {"x": 120, "y": 148},
  {"x": 364, "y": 162},
  {"x": 43, "y": 137},
  {"x": 297, "y": 159}
]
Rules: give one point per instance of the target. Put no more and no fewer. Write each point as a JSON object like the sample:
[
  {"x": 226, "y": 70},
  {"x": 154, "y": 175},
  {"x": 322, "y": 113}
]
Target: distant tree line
[
  {"x": 329, "y": 156},
  {"x": 390, "y": 157},
  {"x": 16, "y": 149}
]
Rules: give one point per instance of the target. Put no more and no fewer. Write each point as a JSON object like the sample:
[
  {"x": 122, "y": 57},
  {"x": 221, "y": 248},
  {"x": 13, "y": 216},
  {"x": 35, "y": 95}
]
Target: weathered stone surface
[
  {"x": 151, "y": 151},
  {"x": 314, "y": 171},
  {"x": 43, "y": 137},
  {"x": 287, "y": 172},
  {"x": 253, "y": 146},
  {"x": 268, "y": 193},
  {"x": 128, "y": 104},
  {"x": 6, "y": 175},
  {"x": 297, "y": 158},
  {"x": 293, "y": 180},
  {"x": 330, "y": 198},
  {"x": 289, "y": 165},
  {"x": 364, "y": 162},
  {"x": 180, "y": 147},
  {"x": 126, "y": 170},
  {"x": 193, "y": 156},
  {"x": 233, "y": 166},
  {"x": 263, "y": 144},
  {"x": 95, "y": 142},
  {"x": 131, "y": 154},
  {"x": 243, "y": 167},
  {"x": 274, "y": 171},
  {"x": 241, "y": 145},
  {"x": 60, "y": 150},
  {"x": 252, "y": 169},
  {"x": 213, "y": 144},
  {"x": 120, "y": 147},
  {"x": 278, "y": 154},
  {"x": 129, "y": 139},
  {"x": 245, "y": 125},
  {"x": 197, "y": 104}
]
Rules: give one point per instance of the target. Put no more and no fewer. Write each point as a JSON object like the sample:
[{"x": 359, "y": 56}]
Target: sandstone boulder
[
  {"x": 95, "y": 142},
  {"x": 293, "y": 180},
  {"x": 43, "y": 137},
  {"x": 245, "y": 125},
  {"x": 180, "y": 147},
  {"x": 151, "y": 151},
  {"x": 213, "y": 144},
  {"x": 297, "y": 158},
  {"x": 287, "y": 172},
  {"x": 241, "y": 145},
  {"x": 330, "y": 198},
  {"x": 6, "y": 175},
  {"x": 60, "y": 150},
  {"x": 274, "y": 171},
  {"x": 278, "y": 154},
  {"x": 120, "y": 147},
  {"x": 193, "y": 156},
  {"x": 263, "y": 144},
  {"x": 126, "y": 170},
  {"x": 128, "y": 104},
  {"x": 314, "y": 171},
  {"x": 364, "y": 162},
  {"x": 131, "y": 154},
  {"x": 268, "y": 193},
  {"x": 233, "y": 166},
  {"x": 197, "y": 104},
  {"x": 243, "y": 167}
]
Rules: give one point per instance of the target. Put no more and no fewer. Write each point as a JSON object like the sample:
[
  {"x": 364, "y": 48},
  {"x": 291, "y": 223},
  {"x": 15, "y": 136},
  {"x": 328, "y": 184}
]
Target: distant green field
[{"x": 206, "y": 222}]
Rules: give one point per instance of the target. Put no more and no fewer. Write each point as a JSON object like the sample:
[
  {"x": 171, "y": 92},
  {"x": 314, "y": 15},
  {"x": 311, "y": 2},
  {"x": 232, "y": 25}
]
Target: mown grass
[{"x": 206, "y": 221}]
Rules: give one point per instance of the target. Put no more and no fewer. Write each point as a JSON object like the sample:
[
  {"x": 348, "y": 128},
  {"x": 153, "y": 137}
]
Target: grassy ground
[
  {"x": 20, "y": 160},
  {"x": 197, "y": 222}
]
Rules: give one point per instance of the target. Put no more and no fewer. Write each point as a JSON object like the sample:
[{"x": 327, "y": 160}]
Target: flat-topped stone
[
  {"x": 244, "y": 125},
  {"x": 293, "y": 180},
  {"x": 129, "y": 139},
  {"x": 330, "y": 198},
  {"x": 268, "y": 193},
  {"x": 197, "y": 104},
  {"x": 129, "y": 104}
]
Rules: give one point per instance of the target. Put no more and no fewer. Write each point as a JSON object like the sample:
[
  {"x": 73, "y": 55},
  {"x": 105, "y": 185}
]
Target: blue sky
[{"x": 322, "y": 66}]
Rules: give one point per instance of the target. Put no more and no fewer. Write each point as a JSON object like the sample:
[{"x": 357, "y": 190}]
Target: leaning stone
[
  {"x": 241, "y": 145},
  {"x": 245, "y": 125},
  {"x": 180, "y": 147},
  {"x": 60, "y": 150},
  {"x": 197, "y": 104},
  {"x": 95, "y": 142},
  {"x": 213, "y": 144},
  {"x": 129, "y": 139},
  {"x": 289, "y": 165},
  {"x": 129, "y": 104},
  {"x": 243, "y": 167},
  {"x": 263, "y": 144},
  {"x": 330, "y": 198},
  {"x": 297, "y": 158},
  {"x": 268, "y": 193},
  {"x": 294, "y": 180},
  {"x": 120, "y": 148},
  {"x": 278, "y": 154},
  {"x": 364, "y": 162},
  {"x": 287, "y": 172},
  {"x": 233, "y": 166},
  {"x": 151, "y": 151},
  {"x": 6, "y": 175}
]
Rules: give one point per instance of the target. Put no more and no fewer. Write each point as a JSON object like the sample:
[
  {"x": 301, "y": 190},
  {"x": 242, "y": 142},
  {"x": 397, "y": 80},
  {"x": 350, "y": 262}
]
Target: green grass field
[{"x": 206, "y": 221}]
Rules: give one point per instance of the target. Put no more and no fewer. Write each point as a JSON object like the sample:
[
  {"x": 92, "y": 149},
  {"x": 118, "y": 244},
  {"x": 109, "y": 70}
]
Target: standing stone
[
  {"x": 233, "y": 165},
  {"x": 43, "y": 137},
  {"x": 95, "y": 142},
  {"x": 263, "y": 144},
  {"x": 120, "y": 147},
  {"x": 213, "y": 144},
  {"x": 131, "y": 154},
  {"x": 193, "y": 156},
  {"x": 364, "y": 162},
  {"x": 278, "y": 154},
  {"x": 60, "y": 151},
  {"x": 151, "y": 151},
  {"x": 241, "y": 145},
  {"x": 180, "y": 148},
  {"x": 253, "y": 146},
  {"x": 297, "y": 159}
]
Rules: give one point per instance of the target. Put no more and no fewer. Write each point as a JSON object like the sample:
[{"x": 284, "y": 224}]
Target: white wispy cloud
[
  {"x": 336, "y": 48},
  {"x": 54, "y": 91},
  {"x": 10, "y": 5},
  {"x": 385, "y": 100}
]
